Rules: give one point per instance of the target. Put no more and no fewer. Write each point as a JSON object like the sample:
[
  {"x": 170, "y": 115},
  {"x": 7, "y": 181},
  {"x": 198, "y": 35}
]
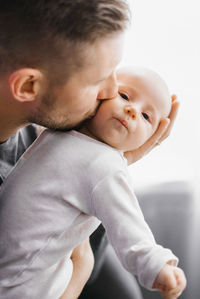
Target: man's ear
[{"x": 25, "y": 84}]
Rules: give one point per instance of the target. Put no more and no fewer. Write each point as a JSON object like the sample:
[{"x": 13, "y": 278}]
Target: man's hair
[{"x": 37, "y": 33}]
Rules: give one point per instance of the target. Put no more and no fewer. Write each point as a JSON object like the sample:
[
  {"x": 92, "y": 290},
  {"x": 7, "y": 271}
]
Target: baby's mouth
[{"x": 123, "y": 122}]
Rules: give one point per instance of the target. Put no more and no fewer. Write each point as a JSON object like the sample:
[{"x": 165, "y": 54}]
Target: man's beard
[{"x": 44, "y": 116}]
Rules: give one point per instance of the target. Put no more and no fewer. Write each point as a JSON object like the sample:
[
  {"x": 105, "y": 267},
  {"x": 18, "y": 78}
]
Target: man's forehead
[
  {"x": 109, "y": 48},
  {"x": 98, "y": 64}
]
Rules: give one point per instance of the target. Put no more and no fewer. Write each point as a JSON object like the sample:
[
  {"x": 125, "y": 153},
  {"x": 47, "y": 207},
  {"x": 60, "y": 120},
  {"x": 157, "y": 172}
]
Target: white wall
[{"x": 165, "y": 36}]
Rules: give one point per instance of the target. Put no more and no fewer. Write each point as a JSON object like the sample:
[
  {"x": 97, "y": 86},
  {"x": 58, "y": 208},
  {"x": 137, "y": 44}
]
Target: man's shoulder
[{"x": 13, "y": 149}]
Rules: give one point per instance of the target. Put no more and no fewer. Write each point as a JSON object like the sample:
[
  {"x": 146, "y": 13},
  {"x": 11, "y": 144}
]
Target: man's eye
[
  {"x": 124, "y": 96},
  {"x": 145, "y": 116}
]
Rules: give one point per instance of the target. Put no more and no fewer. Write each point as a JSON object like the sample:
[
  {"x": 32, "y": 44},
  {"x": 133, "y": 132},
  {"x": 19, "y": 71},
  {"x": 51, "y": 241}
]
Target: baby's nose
[{"x": 132, "y": 112}]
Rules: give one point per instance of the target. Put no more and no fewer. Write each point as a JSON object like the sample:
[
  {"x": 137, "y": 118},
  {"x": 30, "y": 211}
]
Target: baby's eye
[
  {"x": 145, "y": 116},
  {"x": 124, "y": 96}
]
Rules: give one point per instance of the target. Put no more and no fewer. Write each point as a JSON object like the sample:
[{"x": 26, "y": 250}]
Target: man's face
[
  {"x": 132, "y": 117},
  {"x": 67, "y": 106}
]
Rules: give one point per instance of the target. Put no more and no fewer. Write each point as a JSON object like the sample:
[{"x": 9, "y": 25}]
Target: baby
[{"x": 69, "y": 182}]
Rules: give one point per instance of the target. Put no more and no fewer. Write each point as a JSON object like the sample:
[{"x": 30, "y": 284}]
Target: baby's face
[{"x": 132, "y": 117}]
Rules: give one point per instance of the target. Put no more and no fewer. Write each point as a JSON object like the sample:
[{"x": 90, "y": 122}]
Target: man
[{"x": 57, "y": 62}]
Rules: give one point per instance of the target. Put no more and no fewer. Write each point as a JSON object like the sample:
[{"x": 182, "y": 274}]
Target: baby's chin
[{"x": 114, "y": 139}]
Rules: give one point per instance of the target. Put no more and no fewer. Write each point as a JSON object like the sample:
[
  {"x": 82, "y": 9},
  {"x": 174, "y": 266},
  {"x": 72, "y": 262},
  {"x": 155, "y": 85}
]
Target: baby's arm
[
  {"x": 170, "y": 282},
  {"x": 83, "y": 262},
  {"x": 161, "y": 133}
]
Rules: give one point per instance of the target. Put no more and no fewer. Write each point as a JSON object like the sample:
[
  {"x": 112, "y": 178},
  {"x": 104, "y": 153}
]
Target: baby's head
[{"x": 131, "y": 118}]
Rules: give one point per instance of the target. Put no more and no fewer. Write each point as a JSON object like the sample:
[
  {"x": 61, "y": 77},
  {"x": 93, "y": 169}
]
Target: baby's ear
[{"x": 25, "y": 84}]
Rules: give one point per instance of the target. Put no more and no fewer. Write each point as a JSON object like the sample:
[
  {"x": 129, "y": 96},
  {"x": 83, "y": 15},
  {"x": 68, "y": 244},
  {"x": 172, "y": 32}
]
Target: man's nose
[
  {"x": 109, "y": 89},
  {"x": 131, "y": 111}
]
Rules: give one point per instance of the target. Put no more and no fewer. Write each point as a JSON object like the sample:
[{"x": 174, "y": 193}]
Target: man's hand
[
  {"x": 83, "y": 263},
  {"x": 161, "y": 133},
  {"x": 171, "y": 282}
]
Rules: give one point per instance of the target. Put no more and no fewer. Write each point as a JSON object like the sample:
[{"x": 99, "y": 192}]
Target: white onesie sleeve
[{"x": 117, "y": 207}]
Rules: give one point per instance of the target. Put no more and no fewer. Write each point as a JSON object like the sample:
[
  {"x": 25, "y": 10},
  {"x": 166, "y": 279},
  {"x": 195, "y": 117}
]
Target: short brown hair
[{"x": 32, "y": 31}]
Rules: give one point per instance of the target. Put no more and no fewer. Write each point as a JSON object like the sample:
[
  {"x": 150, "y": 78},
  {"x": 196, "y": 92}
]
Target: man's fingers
[
  {"x": 172, "y": 117},
  {"x": 156, "y": 137},
  {"x": 174, "y": 97}
]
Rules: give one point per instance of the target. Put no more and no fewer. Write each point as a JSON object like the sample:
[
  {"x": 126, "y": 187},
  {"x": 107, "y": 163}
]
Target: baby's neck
[{"x": 84, "y": 130}]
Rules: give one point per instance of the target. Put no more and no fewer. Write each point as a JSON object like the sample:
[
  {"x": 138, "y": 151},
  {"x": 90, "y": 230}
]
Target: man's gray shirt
[{"x": 13, "y": 148}]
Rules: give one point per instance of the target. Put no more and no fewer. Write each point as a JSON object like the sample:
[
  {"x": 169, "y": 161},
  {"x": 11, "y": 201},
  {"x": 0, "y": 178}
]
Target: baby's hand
[{"x": 170, "y": 282}]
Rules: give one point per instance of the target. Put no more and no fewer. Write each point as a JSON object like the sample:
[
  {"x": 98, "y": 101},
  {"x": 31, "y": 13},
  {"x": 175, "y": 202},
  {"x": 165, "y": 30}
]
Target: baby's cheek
[{"x": 137, "y": 140}]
